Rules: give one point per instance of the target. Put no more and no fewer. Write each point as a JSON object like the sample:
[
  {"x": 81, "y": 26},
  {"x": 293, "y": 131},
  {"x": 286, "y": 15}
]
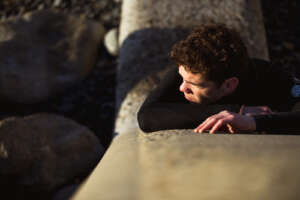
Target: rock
[
  {"x": 289, "y": 45},
  {"x": 44, "y": 53},
  {"x": 41, "y": 7},
  {"x": 106, "y": 18},
  {"x": 57, "y": 3},
  {"x": 244, "y": 16},
  {"x": 44, "y": 151},
  {"x": 111, "y": 42},
  {"x": 65, "y": 193}
]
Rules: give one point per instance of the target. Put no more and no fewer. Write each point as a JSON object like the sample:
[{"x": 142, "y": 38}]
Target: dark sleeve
[
  {"x": 166, "y": 108},
  {"x": 280, "y": 123}
]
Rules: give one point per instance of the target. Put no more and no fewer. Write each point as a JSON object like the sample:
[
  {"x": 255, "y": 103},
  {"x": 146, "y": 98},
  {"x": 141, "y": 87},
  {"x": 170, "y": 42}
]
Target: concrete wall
[{"x": 182, "y": 165}]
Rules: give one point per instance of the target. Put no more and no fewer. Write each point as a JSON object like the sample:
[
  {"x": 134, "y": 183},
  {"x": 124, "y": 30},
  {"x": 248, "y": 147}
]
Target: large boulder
[
  {"x": 45, "y": 52},
  {"x": 44, "y": 151}
]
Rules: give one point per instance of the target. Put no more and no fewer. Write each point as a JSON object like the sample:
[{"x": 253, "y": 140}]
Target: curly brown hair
[{"x": 215, "y": 51}]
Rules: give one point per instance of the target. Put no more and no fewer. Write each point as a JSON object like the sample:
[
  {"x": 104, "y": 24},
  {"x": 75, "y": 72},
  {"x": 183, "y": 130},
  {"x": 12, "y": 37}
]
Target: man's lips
[{"x": 187, "y": 97}]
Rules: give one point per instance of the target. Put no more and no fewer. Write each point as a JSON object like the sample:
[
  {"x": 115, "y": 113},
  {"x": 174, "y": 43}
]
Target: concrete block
[
  {"x": 176, "y": 165},
  {"x": 244, "y": 16}
]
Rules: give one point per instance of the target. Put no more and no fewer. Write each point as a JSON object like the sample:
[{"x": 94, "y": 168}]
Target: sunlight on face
[{"x": 198, "y": 90}]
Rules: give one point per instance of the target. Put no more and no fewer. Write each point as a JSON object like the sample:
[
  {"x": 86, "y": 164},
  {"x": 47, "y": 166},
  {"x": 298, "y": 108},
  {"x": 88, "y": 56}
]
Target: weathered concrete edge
[
  {"x": 117, "y": 175},
  {"x": 133, "y": 163},
  {"x": 143, "y": 18}
]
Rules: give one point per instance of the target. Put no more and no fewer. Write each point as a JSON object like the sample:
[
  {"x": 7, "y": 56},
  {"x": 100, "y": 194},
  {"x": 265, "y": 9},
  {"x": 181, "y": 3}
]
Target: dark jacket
[{"x": 265, "y": 85}]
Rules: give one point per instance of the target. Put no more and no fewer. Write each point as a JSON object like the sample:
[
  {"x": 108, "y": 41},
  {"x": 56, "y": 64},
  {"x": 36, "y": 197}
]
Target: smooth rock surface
[
  {"x": 171, "y": 165},
  {"x": 244, "y": 16},
  {"x": 66, "y": 192},
  {"x": 44, "y": 151},
  {"x": 44, "y": 53},
  {"x": 111, "y": 41}
]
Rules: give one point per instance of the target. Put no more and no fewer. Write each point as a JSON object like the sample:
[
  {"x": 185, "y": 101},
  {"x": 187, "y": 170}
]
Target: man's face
[{"x": 198, "y": 90}]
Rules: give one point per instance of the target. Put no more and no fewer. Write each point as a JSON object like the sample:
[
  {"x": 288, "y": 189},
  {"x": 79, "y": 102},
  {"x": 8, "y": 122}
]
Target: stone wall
[{"x": 178, "y": 165}]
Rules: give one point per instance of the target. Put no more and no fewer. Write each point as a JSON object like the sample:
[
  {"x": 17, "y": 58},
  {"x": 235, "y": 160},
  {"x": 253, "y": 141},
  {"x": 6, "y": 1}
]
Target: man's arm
[
  {"x": 273, "y": 123},
  {"x": 283, "y": 123},
  {"x": 166, "y": 108}
]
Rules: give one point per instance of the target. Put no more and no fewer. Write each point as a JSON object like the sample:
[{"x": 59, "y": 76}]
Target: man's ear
[{"x": 230, "y": 85}]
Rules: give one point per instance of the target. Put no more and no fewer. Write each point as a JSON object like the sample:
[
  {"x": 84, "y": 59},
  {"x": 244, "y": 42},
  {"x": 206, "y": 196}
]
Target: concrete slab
[
  {"x": 244, "y": 16},
  {"x": 184, "y": 165},
  {"x": 117, "y": 175}
]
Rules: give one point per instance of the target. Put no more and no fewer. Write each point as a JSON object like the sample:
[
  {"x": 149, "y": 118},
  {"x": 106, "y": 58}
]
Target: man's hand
[
  {"x": 255, "y": 110},
  {"x": 232, "y": 121}
]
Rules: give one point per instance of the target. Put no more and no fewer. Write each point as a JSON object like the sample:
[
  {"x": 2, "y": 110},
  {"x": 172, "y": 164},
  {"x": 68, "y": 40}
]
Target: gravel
[
  {"x": 283, "y": 31},
  {"x": 92, "y": 101}
]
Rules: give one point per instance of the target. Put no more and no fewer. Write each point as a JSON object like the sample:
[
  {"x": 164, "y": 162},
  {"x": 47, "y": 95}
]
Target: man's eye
[{"x": 200, "y": 86}]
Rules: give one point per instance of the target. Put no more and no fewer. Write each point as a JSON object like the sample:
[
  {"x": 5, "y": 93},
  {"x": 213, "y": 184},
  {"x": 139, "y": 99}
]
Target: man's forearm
[
  {"x": 288, "y": 122},
  {"x": 162, "y": 116}
]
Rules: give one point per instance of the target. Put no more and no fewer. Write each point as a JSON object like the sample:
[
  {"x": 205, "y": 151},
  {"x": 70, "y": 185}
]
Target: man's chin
[{"x": 192, "y": 101}]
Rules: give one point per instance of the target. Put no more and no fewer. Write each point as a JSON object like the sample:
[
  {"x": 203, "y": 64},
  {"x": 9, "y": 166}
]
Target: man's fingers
[
  {"x": 208, "y": 125},
  {"x": 205, "y": 125},
  {"x": 210, "y": 121},
  {"x": 202, "y": 124},
  {"x": 205, "y": 122},
  {"x": 218, "y": 125}
]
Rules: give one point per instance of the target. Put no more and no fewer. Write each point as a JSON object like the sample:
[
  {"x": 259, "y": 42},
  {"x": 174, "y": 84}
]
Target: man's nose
[{"x": 184, "y": 88}]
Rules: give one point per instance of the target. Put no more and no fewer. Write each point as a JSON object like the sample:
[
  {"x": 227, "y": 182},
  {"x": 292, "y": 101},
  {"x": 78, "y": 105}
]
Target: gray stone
[
  {"x": 56, "y": 3},
  {"x": 44, "y": 53},
  {"x": 111, "y": 41},
  {"x": 65, "y": 193},
  {"x": 41, "y": 7},
  {"x": 45, "y": 151},
  {"x": 176, "y": 165},
  {"x": 244, "y": 16}
]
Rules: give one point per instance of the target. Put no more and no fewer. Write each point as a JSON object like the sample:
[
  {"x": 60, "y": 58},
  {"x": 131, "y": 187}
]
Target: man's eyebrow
[{"x": 197, "y": 84}]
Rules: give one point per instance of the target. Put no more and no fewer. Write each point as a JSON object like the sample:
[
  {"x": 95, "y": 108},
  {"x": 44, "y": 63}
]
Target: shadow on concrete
[{"x": 145, "y": 53}]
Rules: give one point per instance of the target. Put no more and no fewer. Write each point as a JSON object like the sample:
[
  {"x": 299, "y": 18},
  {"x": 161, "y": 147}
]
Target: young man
[{"x": 216, "y": 86}]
